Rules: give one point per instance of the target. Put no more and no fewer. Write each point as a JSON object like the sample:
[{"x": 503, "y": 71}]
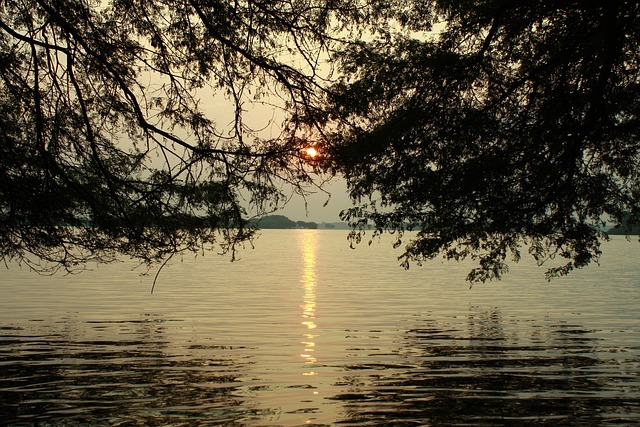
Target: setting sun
[{"x": 311, "y": 152}]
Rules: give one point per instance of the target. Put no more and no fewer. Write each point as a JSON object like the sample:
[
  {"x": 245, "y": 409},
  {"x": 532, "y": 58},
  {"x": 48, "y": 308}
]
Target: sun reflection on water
[{"x": 308, "y": 280}]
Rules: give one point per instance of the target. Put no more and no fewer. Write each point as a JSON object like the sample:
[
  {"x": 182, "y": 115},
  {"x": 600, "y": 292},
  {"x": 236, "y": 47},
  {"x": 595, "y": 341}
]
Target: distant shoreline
[{"x": 282, "y": 222}]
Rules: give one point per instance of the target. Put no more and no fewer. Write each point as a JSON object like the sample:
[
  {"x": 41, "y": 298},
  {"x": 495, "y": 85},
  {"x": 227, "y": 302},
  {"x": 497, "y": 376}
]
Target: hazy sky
[
  {"x": 316, "y": 212},
  {"x": 267, "y": 116}
]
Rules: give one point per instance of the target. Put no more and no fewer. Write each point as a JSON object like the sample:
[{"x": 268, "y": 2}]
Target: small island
[
  {"x": 283, "y": 222},
  {"x": 624, "y": 231},
  {"x": 629, "y": 226}
]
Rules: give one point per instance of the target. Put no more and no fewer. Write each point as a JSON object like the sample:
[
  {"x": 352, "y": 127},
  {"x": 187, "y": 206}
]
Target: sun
[{"x": 311, "y": 152}]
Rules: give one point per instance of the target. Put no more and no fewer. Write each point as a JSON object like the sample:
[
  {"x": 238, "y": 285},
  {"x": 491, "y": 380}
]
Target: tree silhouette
[
  {"x": 106, "y": 143},
  {"x": 480, "y": 124},
  {"x": 513, "y": 122}
]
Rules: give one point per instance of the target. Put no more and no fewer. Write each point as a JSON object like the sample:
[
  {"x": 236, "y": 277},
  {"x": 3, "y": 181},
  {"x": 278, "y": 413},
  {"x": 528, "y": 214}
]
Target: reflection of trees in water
[
  {"x": 482, "y": 374},
  {"x": 128, "y": 372}
]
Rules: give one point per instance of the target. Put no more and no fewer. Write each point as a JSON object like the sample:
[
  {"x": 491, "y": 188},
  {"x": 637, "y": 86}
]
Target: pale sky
[
  {"x": 267, "y": 116},
  {"x": 339, "y": 200}
]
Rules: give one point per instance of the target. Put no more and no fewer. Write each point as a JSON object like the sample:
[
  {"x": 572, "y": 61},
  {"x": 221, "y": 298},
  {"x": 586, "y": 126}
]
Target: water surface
[{"x": 304, "y": 331}]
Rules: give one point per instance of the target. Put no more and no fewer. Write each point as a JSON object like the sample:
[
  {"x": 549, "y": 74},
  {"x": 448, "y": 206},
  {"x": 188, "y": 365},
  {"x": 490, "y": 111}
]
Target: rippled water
[{"x": 304, "y": 331}]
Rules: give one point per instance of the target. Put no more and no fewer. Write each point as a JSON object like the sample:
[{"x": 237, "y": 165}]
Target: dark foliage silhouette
[
  {"x": 487, "y": 127},
  {"x": 512, "y": 123},
  {"x": 107, "y": 147}
]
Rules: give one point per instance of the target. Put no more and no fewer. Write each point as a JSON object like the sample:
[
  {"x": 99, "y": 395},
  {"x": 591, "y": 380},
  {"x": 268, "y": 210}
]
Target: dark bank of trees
[
  {"x": 518, "y": 123},
  {"x": 107, "y": 145},
  {"x": 281, "y": 222},
  {"x": 483, "y": 124}
]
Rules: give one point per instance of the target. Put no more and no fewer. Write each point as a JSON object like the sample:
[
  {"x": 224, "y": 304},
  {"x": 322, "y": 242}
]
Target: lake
[{"x": 303, "y": 330}]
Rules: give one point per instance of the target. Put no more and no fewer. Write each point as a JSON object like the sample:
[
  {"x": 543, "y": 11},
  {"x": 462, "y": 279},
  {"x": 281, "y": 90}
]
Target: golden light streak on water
[
  {"x": 308, "y": 244},
  {"x": 308, "y": 279}
]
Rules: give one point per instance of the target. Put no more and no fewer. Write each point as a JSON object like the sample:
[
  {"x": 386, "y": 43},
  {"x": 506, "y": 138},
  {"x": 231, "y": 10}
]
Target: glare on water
[{"x": 305, "y": 331}]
